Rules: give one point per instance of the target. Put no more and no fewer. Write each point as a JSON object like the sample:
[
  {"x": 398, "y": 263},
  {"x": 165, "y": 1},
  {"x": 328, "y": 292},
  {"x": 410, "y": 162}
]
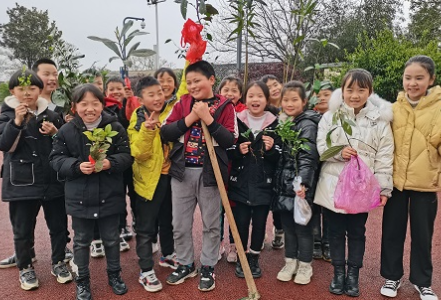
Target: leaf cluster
[
  {"x": 101, "y": 140},
  {"x": 24, "y": 81},
  {"x": 291, "y": 138}
]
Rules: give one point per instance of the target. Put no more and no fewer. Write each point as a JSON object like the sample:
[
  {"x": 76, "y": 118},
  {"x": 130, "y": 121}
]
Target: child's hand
[
  {"x": 20, "y": 113},
  {"x": 244, "y": 147},
  {"x": 302, "y": 192},
  {"x": 383, "y": 200},
  {"x": 191, "y": 118},
  {"x": 68, "y": 118},
  {"x": 150, "y": 122},
  {"x": 48, "y": 128},
  {"x": 87, "y": 168},
  {"x": 347, "y": 152},
  {"x": 268, "y": 141},
  {"x": 201, "y": 109},
  {"x": 106, "y": 164}
]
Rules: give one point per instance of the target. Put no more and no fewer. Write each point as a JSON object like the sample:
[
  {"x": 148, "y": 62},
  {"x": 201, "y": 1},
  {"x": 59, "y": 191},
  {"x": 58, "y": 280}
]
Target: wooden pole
[{"x": 252, "y": 289}]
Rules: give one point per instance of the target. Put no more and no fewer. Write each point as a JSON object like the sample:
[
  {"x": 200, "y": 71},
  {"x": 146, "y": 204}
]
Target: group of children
[{"x": 159, "y": 152}]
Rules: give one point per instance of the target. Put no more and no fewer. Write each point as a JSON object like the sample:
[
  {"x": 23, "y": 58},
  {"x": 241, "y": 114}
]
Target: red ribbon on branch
[{"x": 191, "y": 34}]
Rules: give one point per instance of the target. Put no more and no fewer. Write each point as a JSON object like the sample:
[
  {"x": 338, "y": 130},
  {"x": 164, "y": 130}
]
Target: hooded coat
[
  {"x": 371, "y": 137},
  {"x": 25, "y": 171},
  {"x": 307, "y": 162},
  {"x": 251, "y": 177},
  {"x": 96, "y": 195}
]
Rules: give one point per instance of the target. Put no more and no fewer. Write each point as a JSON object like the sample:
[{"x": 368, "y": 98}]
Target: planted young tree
[{"x": 121, "y": 44}]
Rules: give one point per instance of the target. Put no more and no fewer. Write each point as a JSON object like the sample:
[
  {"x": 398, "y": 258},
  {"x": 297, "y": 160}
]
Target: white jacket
[{"x": 373, "y": 128}]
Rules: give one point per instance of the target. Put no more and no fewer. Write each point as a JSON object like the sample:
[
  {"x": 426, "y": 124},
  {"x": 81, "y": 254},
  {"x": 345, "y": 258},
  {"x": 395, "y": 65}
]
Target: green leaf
[
  {"x": 133, "y": 48},
  {"x": 352, "y": 123},
  {"x": 167, "y": 41},
  {"x": 113, "y": 58},
  {"x": 112, "y": 46},
  {"x": 346, "y": 127},
  {"x": 89, "y": 135},
  {"x": 211, "y": 10},
  {"x": 126, "y": 27},
  {"x": 316, "y": 86},
  {"x": 209, "y": 37},
  {"x": 331, "y": 152},
  {"x": 308, "y": 69},
  {"x": 328, "y": 137},
  {"x": 184, "y": 4},
  {"x": 98, "y": 39},
  {"x": 202, "y": 7},
  {"x": 108, "y": 128},
  {"x": 109, "y": 139},
  {"x": 135, "y": 33},
  {"x": 112, "y": 133},
  {"x": 143, "y": 53},
  {"x": 335, "y": 118}
]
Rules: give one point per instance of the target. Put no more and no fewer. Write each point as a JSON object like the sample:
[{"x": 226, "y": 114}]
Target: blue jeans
[{"x": 83, "y": 236}]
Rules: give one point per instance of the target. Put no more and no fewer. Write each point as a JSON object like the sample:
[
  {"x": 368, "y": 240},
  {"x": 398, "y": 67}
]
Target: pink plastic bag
[{"x": 357, "y": 189}]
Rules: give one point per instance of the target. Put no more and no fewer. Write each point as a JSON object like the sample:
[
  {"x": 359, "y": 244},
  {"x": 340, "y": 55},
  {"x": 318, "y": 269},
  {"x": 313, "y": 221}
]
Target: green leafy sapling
[
  {"x": 101, "y": 139},
  {"x": 25, "y": 82},
  {"x": 292, "y": 140}
]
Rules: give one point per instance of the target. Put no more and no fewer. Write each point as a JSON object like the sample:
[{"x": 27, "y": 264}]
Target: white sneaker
[
  {"x": 390, "y": 288},
  {"x": 221, "y": 251},
  {"x": 73, "y": 267},
  {"x": 304, "y": 273},
  {"x": 426, "y": 293},
  {"x": 155, "y": 247},
  {"x": 150, "y": 282},
  {"x": 232, "y": 254},
  {"x": 123, "y": 245},
  {"x": 289, "y": 270},
  {"x": 97, "y": 249}
]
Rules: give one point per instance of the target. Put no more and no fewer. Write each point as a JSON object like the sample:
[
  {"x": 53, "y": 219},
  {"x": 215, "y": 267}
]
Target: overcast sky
[{"x": 81, "y": 18}]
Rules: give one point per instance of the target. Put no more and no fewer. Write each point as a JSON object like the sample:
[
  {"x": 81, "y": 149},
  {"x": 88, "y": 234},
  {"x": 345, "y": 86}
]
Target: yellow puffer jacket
[
  {"x": 147, "y": 149},
  {"x": 417, "y": 134}
]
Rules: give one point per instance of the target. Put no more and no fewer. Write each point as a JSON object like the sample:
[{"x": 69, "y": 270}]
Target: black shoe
[
  {"x": 253, "y": 260},
  {"x": 68, "y": 255},
  {"x": 207, "y": 283},
  {"x": 116, "y": 282},
  {"x": 338, "y": 282},
  {"x": 11, "y": 261},
  {"x": 326, "y": 252},
  {"x": 317, "y": 250},
  {"x": 181, "y": 273},
  {"x": 351, "y": 285},
  {"x": 239, "y": 271},
  {"x": 83, "y": 288}
]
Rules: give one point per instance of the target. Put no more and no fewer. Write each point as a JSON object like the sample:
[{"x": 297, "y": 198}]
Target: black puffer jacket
[
  {"x": 307, "y": 161},
  {"x": 251, "y": 176},
  {"x": 99, "y": 194},
  {"x": 26, "y": 172}
]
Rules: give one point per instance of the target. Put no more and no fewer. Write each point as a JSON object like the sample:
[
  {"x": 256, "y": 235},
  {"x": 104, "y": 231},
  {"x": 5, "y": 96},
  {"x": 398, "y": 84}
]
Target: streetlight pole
[
  {"x": 125, "y": 71},
  {"x": 156, "y": 2}
]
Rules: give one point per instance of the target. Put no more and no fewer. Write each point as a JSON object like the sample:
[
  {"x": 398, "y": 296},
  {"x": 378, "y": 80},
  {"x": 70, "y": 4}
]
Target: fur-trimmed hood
[
  {"x": 377, "y": 108},
  {"x": 13, "y": 102}
]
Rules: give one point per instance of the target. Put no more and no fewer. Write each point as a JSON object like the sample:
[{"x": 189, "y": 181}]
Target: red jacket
[{"x": 223, "y": 131}]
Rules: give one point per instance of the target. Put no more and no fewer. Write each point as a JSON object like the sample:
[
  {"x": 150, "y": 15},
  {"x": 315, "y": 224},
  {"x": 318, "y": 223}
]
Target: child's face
[
  {"x": 323, "y": 96},
  {"x": 116, "y": 90},
  {"x": 89, "y": 108},
  {"x": 256, "y": 101},
  {"x": 292, "y": 103},
  {"x": 275, "y": 89},
  {"x": 199, "y": 86},
  {"x": 49, "y": 75},
  {"x": 168, "y": 84},
  {"x": 152, "y": 98},
  {"x": 355, "y": 96},
  {"x": 98, "y": 81},
  {"x": 231, "y": 91},
  {"x": 416, "y": 81},
  {"x": 28, "y": 95}
]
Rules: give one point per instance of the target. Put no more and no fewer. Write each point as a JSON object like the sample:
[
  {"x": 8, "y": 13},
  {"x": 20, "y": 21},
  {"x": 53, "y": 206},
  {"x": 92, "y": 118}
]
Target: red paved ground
[{"x": 228, "y": 287}]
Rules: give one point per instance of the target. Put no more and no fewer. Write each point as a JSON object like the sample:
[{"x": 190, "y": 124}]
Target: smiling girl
[
  {"x": 254, "y": 159},
  {"x": 298, "y": 238},
  {"x": 371, "y": 141},
  {"x": 417, "y": 168}
]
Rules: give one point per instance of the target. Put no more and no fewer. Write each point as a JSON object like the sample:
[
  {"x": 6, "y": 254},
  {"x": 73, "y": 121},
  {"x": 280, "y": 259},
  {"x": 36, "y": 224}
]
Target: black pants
[
  {"x": 422, "y": 207},
  {"x": 277, "y": 222},
  {"x": 149, "y": 213},
  {"x": 83, "y": 236},
  {"x": 319, "y": 224},
  {"x": 222, "y": 222},
  {"x": 23, "y": 216},
  {"x": 298, "y": 238},
  {"x": 243, "y": 215},
  {"x": 128, "y": 185},
  {"x": 354, "y": 227}
]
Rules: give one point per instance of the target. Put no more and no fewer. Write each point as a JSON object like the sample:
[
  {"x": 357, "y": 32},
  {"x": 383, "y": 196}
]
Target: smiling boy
[{"x": 193, "y": 181}]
